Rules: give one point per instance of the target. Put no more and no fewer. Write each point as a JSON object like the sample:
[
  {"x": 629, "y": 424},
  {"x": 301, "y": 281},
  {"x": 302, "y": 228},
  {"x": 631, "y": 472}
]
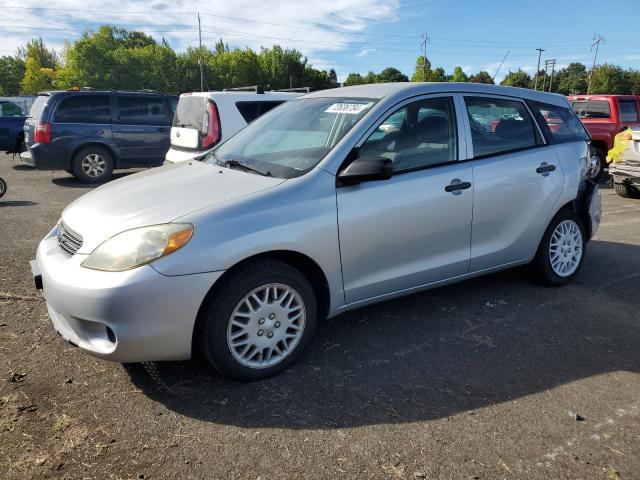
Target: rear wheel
[
  {"x": 626, "y": 190},
  {"x": 92, "y": 164},
  {"x": 3, "y": 187},
  {"x": 597, "y": 167},
  {"x": 259, "y": 321},
  {"x": 561, "y": 251}
]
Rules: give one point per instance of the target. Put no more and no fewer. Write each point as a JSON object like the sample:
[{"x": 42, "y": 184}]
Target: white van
[{"x": 203, "y": 120}]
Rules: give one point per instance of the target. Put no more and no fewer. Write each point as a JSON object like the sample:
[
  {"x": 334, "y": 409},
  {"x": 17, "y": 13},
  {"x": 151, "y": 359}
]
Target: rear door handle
[
  {"x": 545, "y": 168},
  {"x": 456, "y": 186}
]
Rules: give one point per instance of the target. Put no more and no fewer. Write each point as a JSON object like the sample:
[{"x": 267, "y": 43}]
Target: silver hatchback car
[{"x": 329, "y": 202}]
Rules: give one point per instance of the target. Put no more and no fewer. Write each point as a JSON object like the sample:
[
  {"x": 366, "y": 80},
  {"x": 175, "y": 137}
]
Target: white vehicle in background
[{"x": 203, "y": 120}]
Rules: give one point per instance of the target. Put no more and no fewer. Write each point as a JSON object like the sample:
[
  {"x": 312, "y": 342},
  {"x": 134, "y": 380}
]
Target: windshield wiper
[{"x": 247, "y": 168}]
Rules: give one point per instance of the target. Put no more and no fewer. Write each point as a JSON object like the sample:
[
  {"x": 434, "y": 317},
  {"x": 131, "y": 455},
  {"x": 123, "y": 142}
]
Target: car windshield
[{"x": 291, "y": 139}]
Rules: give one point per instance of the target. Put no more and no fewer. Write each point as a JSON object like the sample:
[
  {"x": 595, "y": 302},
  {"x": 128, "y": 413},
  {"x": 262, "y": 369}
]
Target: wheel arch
[
  {"x": 106, "y": 146},
  {"x": 302, "y": 262}
]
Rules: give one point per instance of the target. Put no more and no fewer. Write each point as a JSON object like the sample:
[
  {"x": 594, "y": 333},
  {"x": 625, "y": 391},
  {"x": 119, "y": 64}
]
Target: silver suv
[{"x": 332, "y": 201}]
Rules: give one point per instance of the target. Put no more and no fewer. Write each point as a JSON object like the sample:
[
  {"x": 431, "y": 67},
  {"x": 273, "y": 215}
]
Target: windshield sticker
[{"x": 350, "y": 108}]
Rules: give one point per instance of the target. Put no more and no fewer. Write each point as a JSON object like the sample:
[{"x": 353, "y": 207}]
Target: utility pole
[
  {"x": 200, "y": 55},
  {"x": 501, "y": 63},
  {"x": 425, "y": 40},
  {"x": 540, "y": 50},
  {"x": 552, "y": 62},
  {"x": 598, "y": 40}
]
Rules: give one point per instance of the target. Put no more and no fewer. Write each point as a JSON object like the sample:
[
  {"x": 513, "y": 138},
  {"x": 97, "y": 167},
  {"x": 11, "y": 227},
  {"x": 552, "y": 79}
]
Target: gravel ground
[{"x": 492, "y": 378}]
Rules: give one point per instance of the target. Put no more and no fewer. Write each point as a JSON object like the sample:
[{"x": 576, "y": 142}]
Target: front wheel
[
  {"x": 259, "y": 321},
  {"x": 561, "y": 251}
]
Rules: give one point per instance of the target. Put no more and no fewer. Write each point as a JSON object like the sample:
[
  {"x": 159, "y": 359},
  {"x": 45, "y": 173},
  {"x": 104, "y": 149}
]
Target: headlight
[{"x": 139, "y": 246}]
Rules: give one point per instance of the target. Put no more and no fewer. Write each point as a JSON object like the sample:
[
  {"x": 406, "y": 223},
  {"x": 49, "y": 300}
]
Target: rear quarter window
[
  {"x": 38, "y": 106},
  {"x": 142, "y": 110},
  {"x": 252, "y": 110},
  {"x": 628, "y": 111},
  {"x": 558, "y": 124},
  {"x": 80, "y": 108}
]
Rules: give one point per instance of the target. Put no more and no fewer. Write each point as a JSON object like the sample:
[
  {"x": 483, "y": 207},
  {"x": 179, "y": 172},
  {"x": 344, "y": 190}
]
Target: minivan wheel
[
  {"x": 561, "y": 251},
  {"x": 92, "y": 165},
  {"x": 259, "y": 321}
]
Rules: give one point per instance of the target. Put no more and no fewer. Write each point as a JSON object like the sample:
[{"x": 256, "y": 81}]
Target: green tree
[
  {"x": 572, "y": 80},
  {"x": 459, "y": 75},
  {"x": 610, "y": 79},
  {"x": 36, "y": 78},
  {"x": 11, "y": 73},
  {"x": 391, "y": 74},
  {"x": 517, "y": 79},
  {"x": 422, "y": 72},
  {"x": 438, "y": 75},
  {"x": 354, "y": 79},
  {"x": 36, "y": 49},
  {"x": 481, "y": 77}
]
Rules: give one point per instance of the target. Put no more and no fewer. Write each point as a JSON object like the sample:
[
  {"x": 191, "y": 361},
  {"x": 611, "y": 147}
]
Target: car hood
[{"x": 156, "y": 196}]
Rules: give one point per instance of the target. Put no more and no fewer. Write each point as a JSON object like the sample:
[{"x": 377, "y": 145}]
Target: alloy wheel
[
  {"x": 565, "y": 248},
  {"x": 266, "y": 325},
  {"x": 94, "y": 165}
]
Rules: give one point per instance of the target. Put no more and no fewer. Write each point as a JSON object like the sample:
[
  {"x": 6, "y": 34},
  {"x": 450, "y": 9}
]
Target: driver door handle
[
  {"x": 456, "y": 186},
  {"x": 545, "y": 168}
]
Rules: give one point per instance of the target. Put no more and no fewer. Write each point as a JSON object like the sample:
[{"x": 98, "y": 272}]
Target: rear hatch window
[
  {"x": 592, "y": 109},
  {"x": 196, "y": 124},
  {"x": 38, "y": 107},
  {"x": 252, "y": 110}
]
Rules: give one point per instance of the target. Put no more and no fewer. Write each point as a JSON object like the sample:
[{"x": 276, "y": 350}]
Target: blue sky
[{"x": 357, "y": 35}]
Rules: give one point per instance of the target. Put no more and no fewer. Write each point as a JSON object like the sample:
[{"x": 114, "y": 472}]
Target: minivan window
[
  {"x": 84, "y": 109},
  {"x": 419, "y": 135},
  {"x": 291, "y": 139},
  {"x": 628, "y": 111},
  {"x": 142, "y": 110},
  {"x": 558, "y": 124},
  {"x": 252, "y": 110},
  {"x": 499, "y": 125},
  {"x": 592, "y": 109}
]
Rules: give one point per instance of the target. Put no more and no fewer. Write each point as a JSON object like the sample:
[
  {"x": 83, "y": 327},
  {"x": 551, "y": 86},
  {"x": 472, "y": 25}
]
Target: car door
[
  {"x": 414, "y": 228},
  {"x": 517, "y": 181},
  {"x": 141, "y": 128}
]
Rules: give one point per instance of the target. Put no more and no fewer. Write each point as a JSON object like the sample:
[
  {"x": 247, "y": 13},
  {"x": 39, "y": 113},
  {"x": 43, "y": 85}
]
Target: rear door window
[
  {"x": 499, "y": 125},
  {"x": 142, "y": 110},
  {"x": 628, "y": 111},
  {"x": 252, "y": 110},
  {"x": 558, "y": 124},
  {"x": 84, "y": 109}
]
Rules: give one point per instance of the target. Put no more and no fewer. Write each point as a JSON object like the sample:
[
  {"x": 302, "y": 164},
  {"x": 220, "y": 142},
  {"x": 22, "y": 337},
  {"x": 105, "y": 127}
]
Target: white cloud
[
  {"x": 632, "y": 57},
  {"x": 366, "y": 51},
  {"x": 315, "y": 26}
]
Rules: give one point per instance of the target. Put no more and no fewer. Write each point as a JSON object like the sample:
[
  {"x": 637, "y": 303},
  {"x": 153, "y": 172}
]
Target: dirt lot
[{"x": 492, "y": 378}]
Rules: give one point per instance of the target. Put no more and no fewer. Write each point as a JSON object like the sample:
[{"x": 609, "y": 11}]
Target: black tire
[
  {"x": 601, "y": 156},
  {"x": 3, "y": 187},
  {"x": 542, "y": 261},
  {"x": 626, "y": 190},
  {"x": 101, "y": 154},
  {"x": 216, "y": 316}
]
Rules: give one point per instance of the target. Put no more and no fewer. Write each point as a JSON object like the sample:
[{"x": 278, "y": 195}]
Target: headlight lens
[{"x": 139, "y": 246}]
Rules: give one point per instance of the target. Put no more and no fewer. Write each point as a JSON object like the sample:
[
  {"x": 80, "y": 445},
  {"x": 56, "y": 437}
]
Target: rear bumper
[
  {"x": 46, "y": 157},
  {"x": 175, "y": 156},
  {"x": 132, "y": 316}
]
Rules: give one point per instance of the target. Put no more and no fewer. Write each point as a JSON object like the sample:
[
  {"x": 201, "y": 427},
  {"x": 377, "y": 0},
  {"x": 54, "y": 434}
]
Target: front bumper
[{"x": 132, "y": 316}]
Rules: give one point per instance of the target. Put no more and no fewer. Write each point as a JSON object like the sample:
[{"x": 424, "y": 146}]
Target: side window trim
[
  {"x": 461, "y": 144},
  {"x": 539, "y": 136}
]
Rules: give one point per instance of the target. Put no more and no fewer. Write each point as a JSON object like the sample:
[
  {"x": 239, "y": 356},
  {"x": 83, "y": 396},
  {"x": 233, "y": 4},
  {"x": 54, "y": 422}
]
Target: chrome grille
[{"x": 68, "y": 240}]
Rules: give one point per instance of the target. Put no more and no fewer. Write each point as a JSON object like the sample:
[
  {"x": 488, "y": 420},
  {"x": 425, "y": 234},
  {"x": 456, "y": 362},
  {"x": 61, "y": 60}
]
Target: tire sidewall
[
  {"x": 213, "y": 334},
  {"x": 543, "y": 259},
  {"x": 3, "y": 187},
  {"x": 76, "y": 165}
]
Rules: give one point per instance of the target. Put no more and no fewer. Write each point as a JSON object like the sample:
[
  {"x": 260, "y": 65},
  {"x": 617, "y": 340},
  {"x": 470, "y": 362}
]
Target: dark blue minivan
[{"x": 89, "y": 133}]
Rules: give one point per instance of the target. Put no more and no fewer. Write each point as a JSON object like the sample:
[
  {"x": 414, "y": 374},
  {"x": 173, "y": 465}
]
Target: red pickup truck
[{"x": 604, "y": 116}]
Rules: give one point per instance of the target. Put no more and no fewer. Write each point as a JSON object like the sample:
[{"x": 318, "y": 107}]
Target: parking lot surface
[{"x": 495, "y": 377}]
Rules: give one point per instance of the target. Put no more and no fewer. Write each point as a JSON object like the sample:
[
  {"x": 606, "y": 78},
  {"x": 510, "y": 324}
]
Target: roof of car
[
  {"x": 91, "y": 91},
  {"x": 409, "y": 89}
]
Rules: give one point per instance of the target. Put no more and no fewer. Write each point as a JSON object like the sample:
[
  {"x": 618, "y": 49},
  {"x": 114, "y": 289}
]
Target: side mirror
[{"x": 363, "y": 169}]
